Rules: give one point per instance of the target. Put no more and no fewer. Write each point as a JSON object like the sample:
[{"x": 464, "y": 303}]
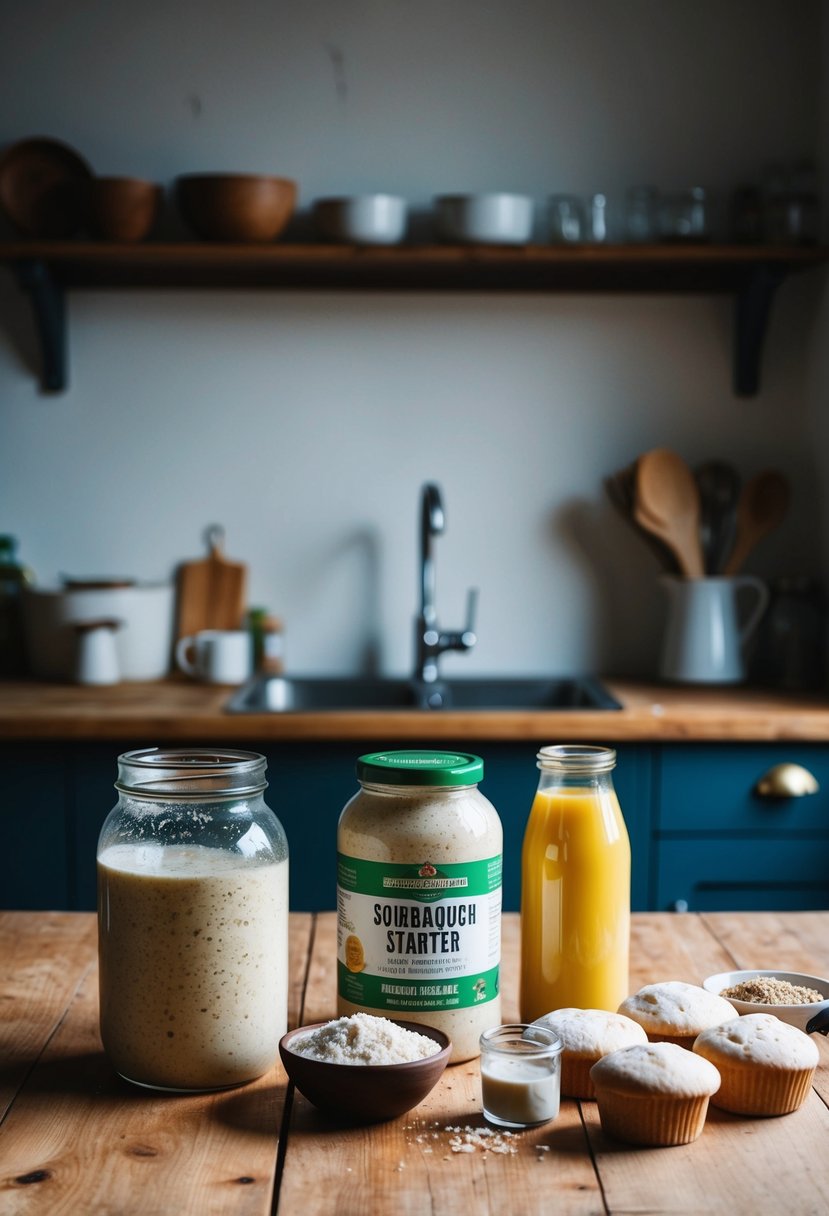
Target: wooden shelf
[{"x": 46, "y": 270}]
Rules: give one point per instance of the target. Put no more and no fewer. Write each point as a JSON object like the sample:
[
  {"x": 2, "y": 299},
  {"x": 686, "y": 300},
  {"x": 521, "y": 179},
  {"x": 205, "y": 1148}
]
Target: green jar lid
[{"x": 420, "y": 768}]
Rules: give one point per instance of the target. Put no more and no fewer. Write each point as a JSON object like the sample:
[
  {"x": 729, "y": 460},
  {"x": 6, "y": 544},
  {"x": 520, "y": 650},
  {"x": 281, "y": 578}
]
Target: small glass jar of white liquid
[{"x": 520, "y": 1075}]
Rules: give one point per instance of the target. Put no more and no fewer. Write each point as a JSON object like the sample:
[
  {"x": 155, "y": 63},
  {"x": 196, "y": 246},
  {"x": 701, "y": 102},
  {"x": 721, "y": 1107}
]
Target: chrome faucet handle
[
  {"x": 460, "y": 639},
  {"x": 469, "y": 636}
]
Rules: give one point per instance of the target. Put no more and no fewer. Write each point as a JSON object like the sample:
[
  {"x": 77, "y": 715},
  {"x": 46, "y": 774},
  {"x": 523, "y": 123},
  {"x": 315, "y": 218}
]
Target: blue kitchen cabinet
[
  {"x": 700, "y": 837},
  {"x": 719, "y": 846},
  {"x": 67, "y": 791},
  {"x": 37, "y": 838}
]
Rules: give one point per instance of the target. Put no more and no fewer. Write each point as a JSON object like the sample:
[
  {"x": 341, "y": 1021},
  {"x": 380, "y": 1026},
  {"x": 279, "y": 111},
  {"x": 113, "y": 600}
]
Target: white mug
[{"x": 219, "y": 656}]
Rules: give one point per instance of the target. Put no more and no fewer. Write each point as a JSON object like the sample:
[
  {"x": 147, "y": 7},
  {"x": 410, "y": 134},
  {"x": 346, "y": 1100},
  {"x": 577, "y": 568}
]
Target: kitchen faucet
[{"x": 430, "y": 640}]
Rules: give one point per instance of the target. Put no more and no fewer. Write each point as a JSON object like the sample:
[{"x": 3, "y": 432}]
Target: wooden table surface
[{"x": 76, "y": 1140}]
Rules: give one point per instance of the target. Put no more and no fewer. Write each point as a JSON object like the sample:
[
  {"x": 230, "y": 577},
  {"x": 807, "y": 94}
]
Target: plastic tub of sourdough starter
[{"x": 419, "y": 895}]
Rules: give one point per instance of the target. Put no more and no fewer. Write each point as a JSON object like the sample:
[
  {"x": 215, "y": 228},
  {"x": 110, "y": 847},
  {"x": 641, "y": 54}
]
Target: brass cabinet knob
[{"x": 786, "y": 781}]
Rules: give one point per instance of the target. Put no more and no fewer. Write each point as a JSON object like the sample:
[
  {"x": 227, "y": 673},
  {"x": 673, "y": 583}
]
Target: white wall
[{"x": 306, "y": 423}]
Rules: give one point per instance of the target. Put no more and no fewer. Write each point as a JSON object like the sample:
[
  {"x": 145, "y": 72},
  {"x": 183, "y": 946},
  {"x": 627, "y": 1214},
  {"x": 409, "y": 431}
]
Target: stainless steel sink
[{"x": 305, "y": 694}]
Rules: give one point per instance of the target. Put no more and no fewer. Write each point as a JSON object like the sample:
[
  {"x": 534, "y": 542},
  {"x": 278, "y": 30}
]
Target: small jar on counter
[
  {"x": 419, "y": 895},
  {"x": 192, "y": 921},
  {"x": 520, "y": 1075}
]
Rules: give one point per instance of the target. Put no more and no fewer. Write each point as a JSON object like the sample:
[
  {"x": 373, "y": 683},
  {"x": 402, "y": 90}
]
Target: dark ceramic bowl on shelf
[{"x": 243, "y": 207}]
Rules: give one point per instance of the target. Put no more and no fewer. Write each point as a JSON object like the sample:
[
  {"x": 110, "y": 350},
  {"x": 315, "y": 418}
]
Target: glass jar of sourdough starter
[
  {"x": 575, "y": 886},
  {"x": 192, "y": 920},
  {"x": 419, "y": 895}
]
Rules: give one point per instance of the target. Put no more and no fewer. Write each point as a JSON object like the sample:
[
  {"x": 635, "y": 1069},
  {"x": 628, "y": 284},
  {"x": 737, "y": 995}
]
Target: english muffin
[
  {"x": 766, "y": 1065},
  {"x": 587, "y": 1035},
  {"x": 654, "y": 1093},
  {"x": 674, "y": 1012}
]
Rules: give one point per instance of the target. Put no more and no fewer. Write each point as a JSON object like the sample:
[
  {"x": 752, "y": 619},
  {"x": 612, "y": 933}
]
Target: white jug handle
[
  {"x": 183, "y": 647},
  {"x": 753, "y": 619}
]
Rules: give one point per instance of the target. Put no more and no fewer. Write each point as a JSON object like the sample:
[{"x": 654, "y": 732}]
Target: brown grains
[{"x": 766, "y": 990}]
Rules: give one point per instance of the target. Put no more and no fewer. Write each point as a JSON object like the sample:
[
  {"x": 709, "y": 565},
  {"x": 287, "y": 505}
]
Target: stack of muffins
[{"x": 653, "y": 1066}]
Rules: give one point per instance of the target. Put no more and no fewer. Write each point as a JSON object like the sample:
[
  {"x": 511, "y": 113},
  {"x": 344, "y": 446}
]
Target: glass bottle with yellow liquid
[{"x": 575, "y": 886}]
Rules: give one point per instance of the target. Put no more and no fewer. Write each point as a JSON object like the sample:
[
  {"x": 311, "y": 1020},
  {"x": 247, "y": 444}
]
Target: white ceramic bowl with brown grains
[{"x": 791, "y": 996}]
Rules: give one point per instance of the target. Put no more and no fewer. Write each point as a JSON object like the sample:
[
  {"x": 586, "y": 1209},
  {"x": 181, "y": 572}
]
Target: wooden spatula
[
  {"x": 762, "y": 507},
  {"x": 667, "y": 505},
  {"x": 211, "y": 592}
]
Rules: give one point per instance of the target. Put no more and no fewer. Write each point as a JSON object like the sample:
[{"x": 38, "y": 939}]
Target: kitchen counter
[
  {"x": 182, "y": 711},
  {"x": 76, "y": 1139}
]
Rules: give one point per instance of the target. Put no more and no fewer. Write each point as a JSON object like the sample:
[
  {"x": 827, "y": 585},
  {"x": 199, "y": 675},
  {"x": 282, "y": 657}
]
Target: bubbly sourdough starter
[
  {"x": 193, "y": 946},
  {"x": 442, "y": 827}
]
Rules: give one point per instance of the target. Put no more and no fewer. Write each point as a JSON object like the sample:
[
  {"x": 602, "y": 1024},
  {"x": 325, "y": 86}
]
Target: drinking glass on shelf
[
  {"x": 597, "y": 219},
  {"x": 568, "y": 222},
  {"x": 641, "y": 214},
  {"x": 685, "y": 216}
]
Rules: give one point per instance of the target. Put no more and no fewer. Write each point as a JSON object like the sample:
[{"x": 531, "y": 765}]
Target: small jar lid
[{"x": 420, "y": 768}]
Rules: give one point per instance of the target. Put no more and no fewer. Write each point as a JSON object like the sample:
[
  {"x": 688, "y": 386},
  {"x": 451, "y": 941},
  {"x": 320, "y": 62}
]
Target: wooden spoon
[
  {"x": 620, "y": 487},
  {"x": 761, "y": 508},
  {"x": 667, "y": 505}
]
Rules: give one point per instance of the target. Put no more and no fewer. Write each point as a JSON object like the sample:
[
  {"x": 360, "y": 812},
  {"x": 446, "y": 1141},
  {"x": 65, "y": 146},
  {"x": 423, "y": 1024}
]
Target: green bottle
[{"x": 12, "y": 578}]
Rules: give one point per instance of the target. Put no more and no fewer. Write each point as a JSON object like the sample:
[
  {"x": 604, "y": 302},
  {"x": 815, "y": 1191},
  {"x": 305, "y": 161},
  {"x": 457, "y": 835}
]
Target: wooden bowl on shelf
[
  {"x": 123, "y": 208},
  {"x": 242, "y": 207}
]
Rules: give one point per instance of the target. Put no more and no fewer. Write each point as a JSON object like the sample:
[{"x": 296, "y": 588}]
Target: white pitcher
[{"x": 704, "y": 640}]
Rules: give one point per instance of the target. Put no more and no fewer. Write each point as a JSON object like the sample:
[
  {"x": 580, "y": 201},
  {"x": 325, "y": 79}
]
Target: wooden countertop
[
  {"x": 76, "y": 1139},
  {"x": 182, "y": 711}
]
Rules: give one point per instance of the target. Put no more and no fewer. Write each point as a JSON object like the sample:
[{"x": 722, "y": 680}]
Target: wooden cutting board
[{"x": 211, "y": 593}]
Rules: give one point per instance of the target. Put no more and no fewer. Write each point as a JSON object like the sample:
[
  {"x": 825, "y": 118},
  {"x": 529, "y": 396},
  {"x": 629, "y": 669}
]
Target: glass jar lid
[
  {"x": 193, "y": 772},
  {"x": 576, "y": 758},
  {"x": 420, "y": 768}
]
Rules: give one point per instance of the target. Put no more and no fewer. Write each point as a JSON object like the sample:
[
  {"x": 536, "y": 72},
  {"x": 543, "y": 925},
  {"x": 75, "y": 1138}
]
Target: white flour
[{"x": 363, "y": 1039}]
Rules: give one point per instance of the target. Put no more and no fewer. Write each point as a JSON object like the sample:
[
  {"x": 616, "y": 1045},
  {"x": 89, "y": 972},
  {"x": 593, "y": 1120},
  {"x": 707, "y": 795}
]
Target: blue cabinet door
[
  {"x": 719, "y": 846},
  {"x": 711, "y": 788},
  {"x": 37, "y": 836},
  {"x": 740, "y": 874}
]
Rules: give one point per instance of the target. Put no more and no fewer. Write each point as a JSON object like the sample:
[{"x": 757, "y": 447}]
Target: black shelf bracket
[
  {"x": 45, "y": 272},
  {"x": 751, "y": 317},
  {"x": 48, "y": 301}
]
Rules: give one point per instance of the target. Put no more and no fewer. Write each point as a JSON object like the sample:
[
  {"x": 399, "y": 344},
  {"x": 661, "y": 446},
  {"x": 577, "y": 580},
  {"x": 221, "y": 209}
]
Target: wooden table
[{"x": 76, "y": 1140}]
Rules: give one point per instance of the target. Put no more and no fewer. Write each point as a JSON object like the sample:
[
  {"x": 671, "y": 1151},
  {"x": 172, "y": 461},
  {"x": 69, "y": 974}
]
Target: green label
[
  {"x": 422, "y": 881},
  {"x": 398, "y": 994}
]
